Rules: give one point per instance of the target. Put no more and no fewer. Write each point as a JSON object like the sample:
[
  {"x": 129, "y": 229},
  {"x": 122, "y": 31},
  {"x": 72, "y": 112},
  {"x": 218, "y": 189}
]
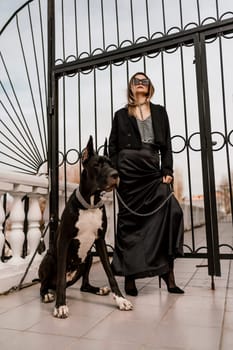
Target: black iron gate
[
  {"x": 194, "y": 37},
  {"x": 190, "y": 65}
]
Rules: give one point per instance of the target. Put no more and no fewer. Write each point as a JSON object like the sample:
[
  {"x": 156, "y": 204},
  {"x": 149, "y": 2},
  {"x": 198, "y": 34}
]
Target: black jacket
[{"x": 125, "y": 134}]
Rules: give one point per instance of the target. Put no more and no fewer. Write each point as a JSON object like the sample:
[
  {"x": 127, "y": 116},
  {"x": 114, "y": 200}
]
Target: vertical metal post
[
  {"x": 52, "y": 126},
  {"x": 207, "y": 159}
]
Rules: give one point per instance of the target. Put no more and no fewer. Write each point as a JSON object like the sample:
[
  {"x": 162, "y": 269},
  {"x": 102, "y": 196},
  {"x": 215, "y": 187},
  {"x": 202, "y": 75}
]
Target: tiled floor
[{"x": 201, "y": 319}]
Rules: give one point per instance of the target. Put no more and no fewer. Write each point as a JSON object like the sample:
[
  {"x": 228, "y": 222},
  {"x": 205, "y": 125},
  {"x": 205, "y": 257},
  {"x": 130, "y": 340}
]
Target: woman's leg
[
  {"x": 169, "y": 279},
  {"x": 130, "y": 286}
]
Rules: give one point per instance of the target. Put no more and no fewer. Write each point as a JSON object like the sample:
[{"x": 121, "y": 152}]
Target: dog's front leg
[
  {"x": 86, "y": 286},
  {"x": 101, "y": 249},
  {"x": 61, "y": 310}
]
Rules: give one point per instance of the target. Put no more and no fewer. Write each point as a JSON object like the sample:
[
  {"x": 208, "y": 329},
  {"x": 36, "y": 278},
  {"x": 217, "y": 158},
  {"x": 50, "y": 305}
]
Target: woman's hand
[{"x": 167, "y": 179}]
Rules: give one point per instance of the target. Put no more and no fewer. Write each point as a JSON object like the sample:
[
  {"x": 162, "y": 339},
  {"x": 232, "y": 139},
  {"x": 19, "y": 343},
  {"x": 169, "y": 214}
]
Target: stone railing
[
  {"x": 14, "y": 188},
  {"x": 198, "y": 216}
]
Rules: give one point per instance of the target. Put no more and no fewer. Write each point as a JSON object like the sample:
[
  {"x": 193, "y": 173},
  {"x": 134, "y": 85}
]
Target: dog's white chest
[{"x": 88, "y": 224}]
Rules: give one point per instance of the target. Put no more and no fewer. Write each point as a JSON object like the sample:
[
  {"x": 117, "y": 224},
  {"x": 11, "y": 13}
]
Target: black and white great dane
[{"x": 83, "y": 223}]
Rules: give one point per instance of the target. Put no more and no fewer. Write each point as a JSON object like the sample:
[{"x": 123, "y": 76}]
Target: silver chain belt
[{"x": 140, "y": 214}]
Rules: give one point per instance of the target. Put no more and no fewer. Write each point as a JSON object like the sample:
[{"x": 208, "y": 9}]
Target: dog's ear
[
  {"x": 89, "y": 150},
  {"x": 106, "y": 147}
]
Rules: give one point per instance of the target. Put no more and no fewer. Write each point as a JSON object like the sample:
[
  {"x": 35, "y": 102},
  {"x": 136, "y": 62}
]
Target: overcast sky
[
  {"x": 7, "y": 8},
  {"x": 174, "y": 100}
]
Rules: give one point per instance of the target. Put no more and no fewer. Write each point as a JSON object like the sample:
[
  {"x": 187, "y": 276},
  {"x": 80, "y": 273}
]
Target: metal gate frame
[
  {"x": 207, "y": 157},
  {"x": 196, "y": 37}
]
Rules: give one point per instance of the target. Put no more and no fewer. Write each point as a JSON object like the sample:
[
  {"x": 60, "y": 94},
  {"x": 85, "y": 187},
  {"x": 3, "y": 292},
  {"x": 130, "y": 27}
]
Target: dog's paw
[
  {"x": 61, "y": 311},
  {"x": 104, "y": 291},
  {"x": 123, "y": 303},
  {"x": 48, "y": 298}
]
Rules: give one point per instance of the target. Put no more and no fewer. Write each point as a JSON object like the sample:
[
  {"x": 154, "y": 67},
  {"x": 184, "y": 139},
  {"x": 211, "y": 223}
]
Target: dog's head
[{"x": 98, "y": 171}]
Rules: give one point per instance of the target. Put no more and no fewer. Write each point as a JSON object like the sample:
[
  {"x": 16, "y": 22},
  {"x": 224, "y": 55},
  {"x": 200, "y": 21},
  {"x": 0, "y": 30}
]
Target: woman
[{"x": 150, "y": 220}]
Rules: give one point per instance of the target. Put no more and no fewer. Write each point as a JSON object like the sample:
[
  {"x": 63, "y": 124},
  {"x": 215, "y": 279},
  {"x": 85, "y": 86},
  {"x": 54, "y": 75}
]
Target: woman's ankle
[{"x": 130, "y": 286}]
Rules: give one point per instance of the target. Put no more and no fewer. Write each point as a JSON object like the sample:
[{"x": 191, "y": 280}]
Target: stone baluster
[
  {"x": 34, "y": 233},
  {"x": 16, "y": 235},
  {"x": 2, "y": 238}
]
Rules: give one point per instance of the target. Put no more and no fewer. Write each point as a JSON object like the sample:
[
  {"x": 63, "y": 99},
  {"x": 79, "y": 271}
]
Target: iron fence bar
[
  {"x": 127, "y": 70},
  {"x": 25, "y": 199},
  {"x": 76, "y": 27},
  {"x": 147, "y": 19},
  {"x": 52, "y": 127},
  {"x": 217, "y": 8},
  {"x": 64, "y": 134},
  {"x": 187, "y": 148},
  {"x": 13, "y": 150},
  {"x": 24, "y": 128},
  {"x": 13, "y": 15},
  {"x": 164, "y": 17},
  {"x": 103, "y": 26},
  {"x": 211, "y": 180},
  {"x": 181, "y": 14},
  {"x": 132, "y": 20},
  {"x": 30, "y": 86},
  {"x": 63, "y": 31},
  {"x": 163, "y": 79},
  {"x": 207, "y": 157},
  {"x": 79, "y": 115},
  {"x": 44, "y": 72},
  {"x": 170, "y": 41},
  {"x": 39, "y": 85},
  {"x": 14, "y": 136},
  {"x": 95, "y": 107},
  {"x": 204, "y": 158},
  {"x": 89, "y": 25},
  {"x": 112, "y": 116},
  {"x": 225, "y": 126},
  {"x": 4, "y": 203},
  {"x": 111, "y": 92},
  {"x": 200, "y": 255},
  {"x": 34, "y": 156},
  {"x": 13, "y": 144},
  {"x": 16, "y": 160},
  {"x": 117, "y": 23},
  {"x": 14, "y": 166},
  {"x": 144, "y": 63},
  {"x": 224, "y": 256},
  {"x": 198, "y": 13}
]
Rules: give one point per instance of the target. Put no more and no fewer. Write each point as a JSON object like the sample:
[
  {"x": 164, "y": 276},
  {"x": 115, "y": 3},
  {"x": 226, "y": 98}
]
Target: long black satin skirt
[{"x": 144, "y": 245}]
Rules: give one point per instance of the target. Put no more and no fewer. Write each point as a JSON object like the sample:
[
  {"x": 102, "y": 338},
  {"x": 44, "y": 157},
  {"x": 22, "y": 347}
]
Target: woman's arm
[
  {"x": 166, "y": 152},
  {"x": 113, "y": 141}
]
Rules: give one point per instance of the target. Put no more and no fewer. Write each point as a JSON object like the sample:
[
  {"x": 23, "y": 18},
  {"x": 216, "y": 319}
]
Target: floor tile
[
  {"x": 185, "y": 337},
  {"x": 227, "y": 340},
  {"x": 27, "y": 340},
  {"x": 114, "y": 328},
  {"x": 200, "y": 319},
  {"x": 90, "y": 344}
]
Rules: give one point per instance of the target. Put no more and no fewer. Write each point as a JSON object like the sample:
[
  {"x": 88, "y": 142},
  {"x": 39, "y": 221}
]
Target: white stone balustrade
[{"x": 17, "y": 186}]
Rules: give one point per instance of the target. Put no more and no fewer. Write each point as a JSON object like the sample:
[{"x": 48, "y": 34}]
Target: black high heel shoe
[
  {"x": 130, "y": 287},
  {"x": 169, "y": 279}
]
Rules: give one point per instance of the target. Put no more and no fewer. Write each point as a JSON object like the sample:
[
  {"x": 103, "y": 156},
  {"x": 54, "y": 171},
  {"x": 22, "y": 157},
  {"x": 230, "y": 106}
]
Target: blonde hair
[{"x": 132, "y": 104}]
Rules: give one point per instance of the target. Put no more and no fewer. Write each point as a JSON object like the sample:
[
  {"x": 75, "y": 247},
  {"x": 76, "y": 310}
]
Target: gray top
[{"x": 146, "y": 130}]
